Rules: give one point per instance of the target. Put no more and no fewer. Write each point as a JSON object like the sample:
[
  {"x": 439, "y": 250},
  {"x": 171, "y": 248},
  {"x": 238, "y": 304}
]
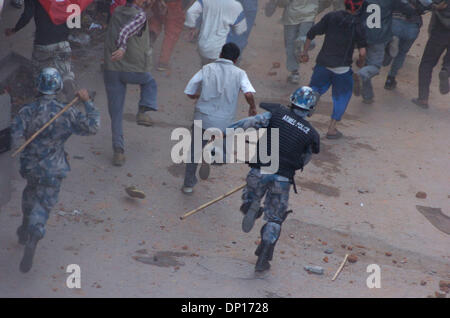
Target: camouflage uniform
[
  {"x": 276, "y": 188},
  {"x": 44, "y": 162}
]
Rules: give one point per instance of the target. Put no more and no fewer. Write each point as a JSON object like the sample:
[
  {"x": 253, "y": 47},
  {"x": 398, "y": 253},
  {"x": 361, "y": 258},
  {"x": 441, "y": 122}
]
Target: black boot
[
  {"x": 22, "y": 233},
  {"x": 30, "y": 247},
  {"x": 253, "y": 213},
  {"x": 264, "y": 253},
  {"x": 391, "y": 83},
  {"x": 444, "y": 86}
]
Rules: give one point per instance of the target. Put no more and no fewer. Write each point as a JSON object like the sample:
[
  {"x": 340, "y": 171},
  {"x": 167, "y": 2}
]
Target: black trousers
[{"x": 438, "y": 42}]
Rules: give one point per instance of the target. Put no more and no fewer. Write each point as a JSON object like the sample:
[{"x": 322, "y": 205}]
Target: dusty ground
[{"x": 358, "y": 194}]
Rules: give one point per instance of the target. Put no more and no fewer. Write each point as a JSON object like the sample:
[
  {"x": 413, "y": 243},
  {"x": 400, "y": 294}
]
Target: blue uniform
[
  {"x": 297, "y": 141},
  {"x": 43, "y": 163}
]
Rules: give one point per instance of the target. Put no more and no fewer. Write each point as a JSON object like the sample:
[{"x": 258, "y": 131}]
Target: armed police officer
[
  {"x": 298, "y": 140},
  {"x": 43, "y": 163}
]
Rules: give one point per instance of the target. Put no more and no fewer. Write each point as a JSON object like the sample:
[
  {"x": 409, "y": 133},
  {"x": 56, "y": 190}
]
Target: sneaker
[
  {"x": 368, "y": 101},
  {"x": 356, "y": 84},
  {"x": 118, "y": 159},
  {"x": 294, "y": 78},
  {"x": 187, "y": 190},
  {"x": 421, "y": 103},
  {"x": 162, "y": 67},
  {"x": 144, "y": 119},
  {"x": 204, "y": 171},
  {"x": 390, "y": 84},
  {"x": 443, "y": 82}
]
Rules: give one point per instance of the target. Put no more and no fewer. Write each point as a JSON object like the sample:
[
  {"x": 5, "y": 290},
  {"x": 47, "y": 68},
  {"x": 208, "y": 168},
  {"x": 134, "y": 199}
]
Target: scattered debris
[
  {"x": 272, "y": 73},
  {"x": 276, "y": 65},
  {"x": 421, "y": 195},
  {"x": 329, "y": 251},
  {"x": 314, "y": 270},
  {"x": 440, "y": 295},
  {"x": 444, "y": 285},
  {"x": 362, "y": 191},
  {"x": 291, "y": 236},
  {"x": 352, "y": 258},
  {"x": 325, "y": 259},
  {"x": 340, "y": 268},
  {"x": 423, "y": 283},
  {"x": 388, "y": 254},
  {"x": 74, "y": 212},
  {"x": 78, "y": 157}
]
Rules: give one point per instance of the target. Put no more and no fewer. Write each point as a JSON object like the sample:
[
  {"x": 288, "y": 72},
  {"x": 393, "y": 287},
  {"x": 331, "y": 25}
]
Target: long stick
[
  {"x": 62, "y": 111},
  {"x": 212, "y": 202},
  {"x": 340, "y": 267}
]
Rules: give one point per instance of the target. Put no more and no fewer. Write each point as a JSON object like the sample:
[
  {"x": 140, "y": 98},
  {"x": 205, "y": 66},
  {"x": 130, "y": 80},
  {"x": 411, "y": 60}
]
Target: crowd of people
[{"x": 222, "y": 29}]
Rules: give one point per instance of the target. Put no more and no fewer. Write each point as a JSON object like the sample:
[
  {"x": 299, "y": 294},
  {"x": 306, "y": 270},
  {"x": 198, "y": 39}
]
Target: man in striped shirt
[{"x": 128, "y": 60}]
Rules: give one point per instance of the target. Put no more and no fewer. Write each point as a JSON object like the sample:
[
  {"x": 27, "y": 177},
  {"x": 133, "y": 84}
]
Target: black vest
[{"x": 295, "y": 136}]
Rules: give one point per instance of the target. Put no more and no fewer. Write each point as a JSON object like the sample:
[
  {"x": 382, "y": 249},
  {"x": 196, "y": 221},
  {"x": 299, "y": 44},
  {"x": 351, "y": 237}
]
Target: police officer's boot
[
  {"x": 264, "y": 251},
  {"x": 22, "y": 231},
  {"x": 252, "y": 212},
  {"x": 34, "y": 235}
]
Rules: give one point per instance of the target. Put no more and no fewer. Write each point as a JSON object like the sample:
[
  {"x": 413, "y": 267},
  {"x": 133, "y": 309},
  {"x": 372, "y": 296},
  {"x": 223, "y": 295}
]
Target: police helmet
[
  {"x": 49, "y": 81},
  {"x": 304, "y": 98}
]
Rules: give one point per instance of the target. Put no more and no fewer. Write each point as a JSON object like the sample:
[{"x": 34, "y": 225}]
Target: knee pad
[
  {"x": 270, "y": 232},
  {"x": 37, "y": 230}
]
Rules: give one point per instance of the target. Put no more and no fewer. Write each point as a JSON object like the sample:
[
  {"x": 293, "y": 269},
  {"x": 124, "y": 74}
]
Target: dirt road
[{"x": 358, "y": 196}]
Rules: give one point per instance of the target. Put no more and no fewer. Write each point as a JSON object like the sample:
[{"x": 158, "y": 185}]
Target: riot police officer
[
  {"x": 43, "y": 163},
  {"x": 297, "y": 141}
]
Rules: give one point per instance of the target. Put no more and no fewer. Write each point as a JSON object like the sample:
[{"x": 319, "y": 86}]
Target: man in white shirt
[
  {"x": 218, "y": 17},
  {"x": 216, "y": 88}
]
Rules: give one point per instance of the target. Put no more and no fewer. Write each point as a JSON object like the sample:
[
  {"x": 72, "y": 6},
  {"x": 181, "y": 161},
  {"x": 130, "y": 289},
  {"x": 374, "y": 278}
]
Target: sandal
[{"x": 337, "y": 135}]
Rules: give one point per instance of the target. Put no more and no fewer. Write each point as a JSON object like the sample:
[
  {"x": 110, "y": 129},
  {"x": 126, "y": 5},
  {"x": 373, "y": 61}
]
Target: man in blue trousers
[{"x": 250, "y": 11}]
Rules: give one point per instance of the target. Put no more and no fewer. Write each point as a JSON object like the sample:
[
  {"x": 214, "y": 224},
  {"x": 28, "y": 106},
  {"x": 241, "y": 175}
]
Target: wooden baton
[
  {"x": 212, "y": 202},
  {"x": 62, "y": 111}
]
